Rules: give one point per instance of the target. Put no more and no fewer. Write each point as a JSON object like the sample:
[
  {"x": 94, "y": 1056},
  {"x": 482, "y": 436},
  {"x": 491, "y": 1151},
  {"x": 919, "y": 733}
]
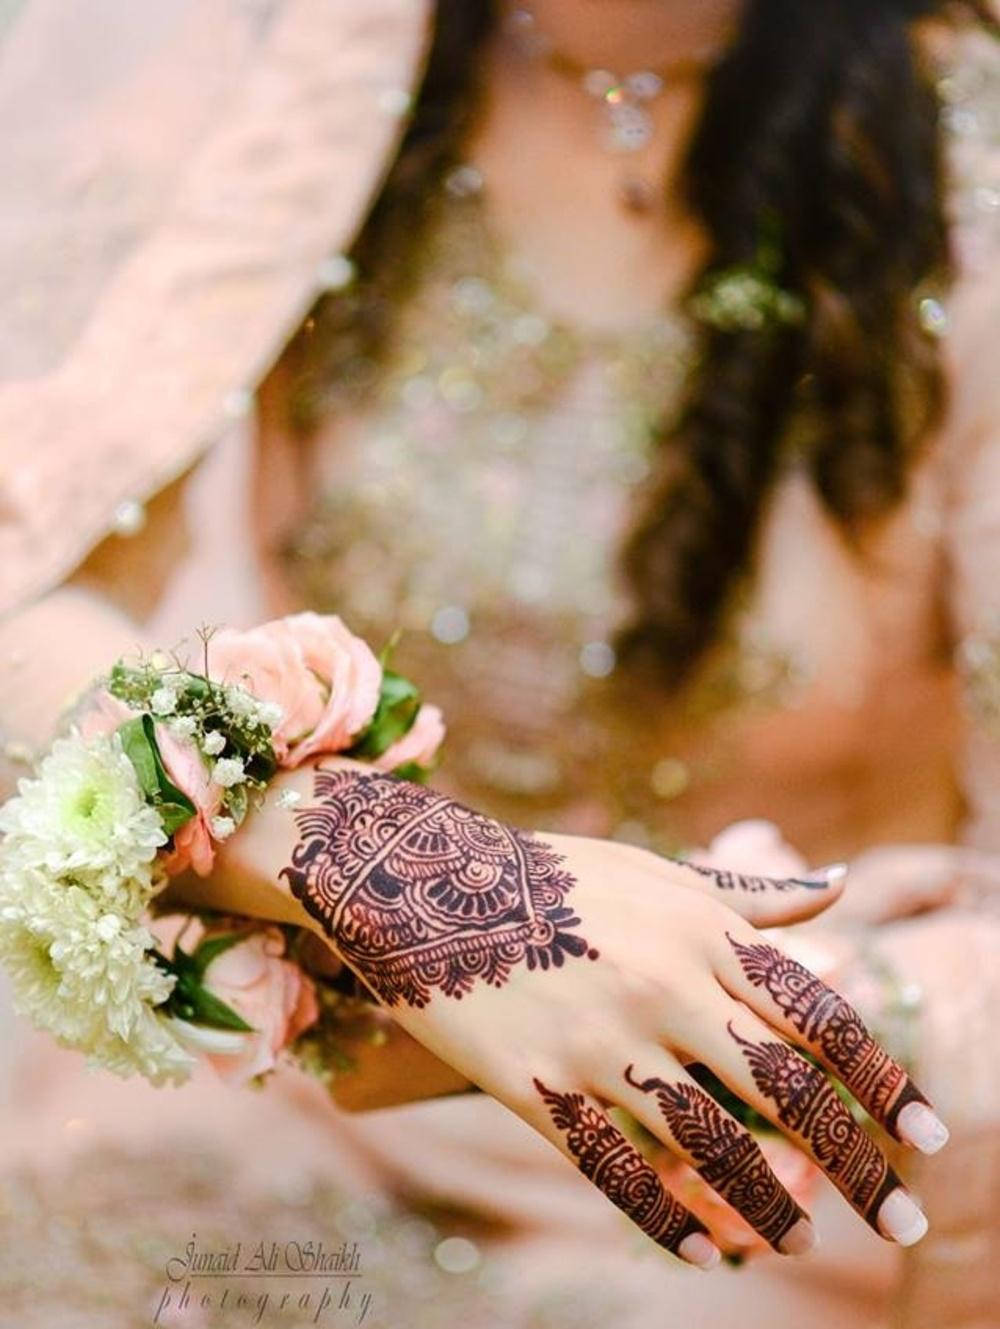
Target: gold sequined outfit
[
  {"x": 479, "y": 504},
  {"x": 476, "y": 482}
]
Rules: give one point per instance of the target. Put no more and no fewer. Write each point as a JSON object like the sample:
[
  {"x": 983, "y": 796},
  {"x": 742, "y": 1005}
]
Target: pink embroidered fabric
[
  {"x": 178, "y": 187},
  {"x": 156, "y": 264}
]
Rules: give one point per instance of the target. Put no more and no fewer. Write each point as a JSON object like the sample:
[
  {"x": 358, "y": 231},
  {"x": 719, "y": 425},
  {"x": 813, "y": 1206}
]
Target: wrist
[{"x": 193, "y": 773}]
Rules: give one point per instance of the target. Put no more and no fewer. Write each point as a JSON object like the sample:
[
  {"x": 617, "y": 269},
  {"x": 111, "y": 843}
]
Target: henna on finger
[
  {"x": 727, "y": 880},
  {"x": 805, "y": 1102},
  {"x": 725, "y": 1155},
  {"x": 616, "y": 1168},
  {"x": 421, "y": 894},
  {"x": 834, "y": 1028}
]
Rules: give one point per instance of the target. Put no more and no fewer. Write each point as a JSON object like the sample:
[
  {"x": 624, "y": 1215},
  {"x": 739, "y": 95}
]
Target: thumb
[{"x": 768, "y": 901}]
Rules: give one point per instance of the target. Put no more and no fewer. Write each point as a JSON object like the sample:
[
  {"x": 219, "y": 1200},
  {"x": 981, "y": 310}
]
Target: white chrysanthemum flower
[
  {"x": 164, "y": 700},
  {"x": 228, "y": 771},
  {"x": 35, "y": 981},
  {"x": 153, "y": 1051},
  {"x": 84, "y": 816},
  {"x": 83, "y": 974},
  {"x": 214, "y": 742}
]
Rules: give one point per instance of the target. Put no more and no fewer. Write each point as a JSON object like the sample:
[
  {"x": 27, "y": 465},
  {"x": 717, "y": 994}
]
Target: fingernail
[
  {"x": 901, "y": 1220},
  {"x": 698, "y": 1250},
  {"x": 922, "y": 1128},
  {"x": 798, "y": 1239},
  {"x": 821, "y": 877}
]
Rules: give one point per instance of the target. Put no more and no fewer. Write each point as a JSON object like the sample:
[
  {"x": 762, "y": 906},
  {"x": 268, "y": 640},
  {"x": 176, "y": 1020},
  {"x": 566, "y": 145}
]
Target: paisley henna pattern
[
  {"x": 834, "y": 1027},
  {"x": 605, "y": 1157},
  {"x": 725, "y": 1155},
  {"x": 420, "y": 893},
  {"x": 806, "y": 1102}
]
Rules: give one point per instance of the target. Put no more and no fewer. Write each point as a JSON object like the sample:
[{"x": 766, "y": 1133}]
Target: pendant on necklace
[{"x": 628, "y": 125}]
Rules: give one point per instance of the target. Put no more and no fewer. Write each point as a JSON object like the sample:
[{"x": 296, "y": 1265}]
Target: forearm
[{"x": 49, "y": 652}]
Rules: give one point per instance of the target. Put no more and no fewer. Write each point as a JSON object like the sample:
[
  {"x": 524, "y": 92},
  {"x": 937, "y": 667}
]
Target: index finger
[{"x": 797, "y": 1003}]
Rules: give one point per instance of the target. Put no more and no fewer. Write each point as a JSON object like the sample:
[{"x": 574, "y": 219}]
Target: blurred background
[{"x": 633, "y": 357}]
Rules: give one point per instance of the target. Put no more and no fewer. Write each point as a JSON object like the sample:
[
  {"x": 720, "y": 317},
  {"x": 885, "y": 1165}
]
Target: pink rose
[
  {"x": 420, "y": 742},
  {"x": 270, "y": 992},
  {"x": 268, "y": 662},
  {"x": 325, "y": 679},
  {"x": 193, "y": 844},
  {"x": 349, "y": 671},
  {"x": 184, "y": 764},
  {"x": 753, "y": 846},
  {"x": 104, "y": 714}
]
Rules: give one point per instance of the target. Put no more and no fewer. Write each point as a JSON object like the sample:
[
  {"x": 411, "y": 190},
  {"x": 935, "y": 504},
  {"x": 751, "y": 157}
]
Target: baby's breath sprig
[{"x": 232, "y": 728}]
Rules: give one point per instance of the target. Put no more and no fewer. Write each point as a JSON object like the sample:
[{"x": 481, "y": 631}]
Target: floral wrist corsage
[{"x": 161, "y": 763}]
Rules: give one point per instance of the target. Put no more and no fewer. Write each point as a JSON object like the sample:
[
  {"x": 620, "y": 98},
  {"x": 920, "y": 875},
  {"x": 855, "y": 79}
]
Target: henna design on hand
[
  {"x": 829, "y": 1022},
  {"x": 727, "y": 880},
  {"x": 807, "y": 1103},
  {"x": 420, "y": 893},
  {"x": 725, "y": 1155},
  {"x": 605, "y": 1157}
]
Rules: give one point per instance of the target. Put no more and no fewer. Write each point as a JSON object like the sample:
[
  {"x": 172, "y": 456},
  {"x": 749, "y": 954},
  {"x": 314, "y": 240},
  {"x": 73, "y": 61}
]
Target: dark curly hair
[{"x": 820, "y": 124}]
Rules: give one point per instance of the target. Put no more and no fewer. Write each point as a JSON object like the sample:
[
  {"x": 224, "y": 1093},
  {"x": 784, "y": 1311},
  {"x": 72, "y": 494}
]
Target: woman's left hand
[{"x": 563, "y": 974}]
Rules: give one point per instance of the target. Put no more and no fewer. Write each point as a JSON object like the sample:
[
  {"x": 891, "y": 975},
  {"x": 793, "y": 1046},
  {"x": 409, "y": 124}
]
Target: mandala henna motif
[
  {"x": 420, "y": 893},
  {"x": 807, "y": 1103},
  {"x": 605, "y": 1157},
  {"x": 834, "y": 1027},
  {"x": 725, "y": 1155}
]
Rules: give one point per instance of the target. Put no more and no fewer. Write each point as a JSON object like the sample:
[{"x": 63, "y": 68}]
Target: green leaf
[
  {"x": 169, "y": 793},
  {"x": 206, "y": 951},
  {"x": 387, "y": 650},
  {"x": 212, "y": 1010},
  {"x": 135, "y": 743},
  {"x": 398, "y": 704},
  {"x": 193, "y": 1002},
  {"x": 138, "y": 738},
  {"x": 173, "y": 816},
  {"x": 413, "y": 771}
]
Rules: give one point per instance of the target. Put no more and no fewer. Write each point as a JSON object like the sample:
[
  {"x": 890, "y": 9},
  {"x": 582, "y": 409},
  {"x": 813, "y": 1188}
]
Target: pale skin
[
  {"x": 646, "y": 975},
  {"x": 666, "y": 986}
]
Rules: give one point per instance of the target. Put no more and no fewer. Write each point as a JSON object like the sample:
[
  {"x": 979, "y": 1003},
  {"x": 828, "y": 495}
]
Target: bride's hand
[{"x": 565, "y": 974}]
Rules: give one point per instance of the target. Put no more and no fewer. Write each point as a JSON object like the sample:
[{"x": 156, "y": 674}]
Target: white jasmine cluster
[
  {"x": 270, "y": 714},
  {"x": 242, "y": 703},
  {"x": 223, "y": 827},
  {"x": 228, "y": 771},
  {"x": 164, "y": 700}
]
